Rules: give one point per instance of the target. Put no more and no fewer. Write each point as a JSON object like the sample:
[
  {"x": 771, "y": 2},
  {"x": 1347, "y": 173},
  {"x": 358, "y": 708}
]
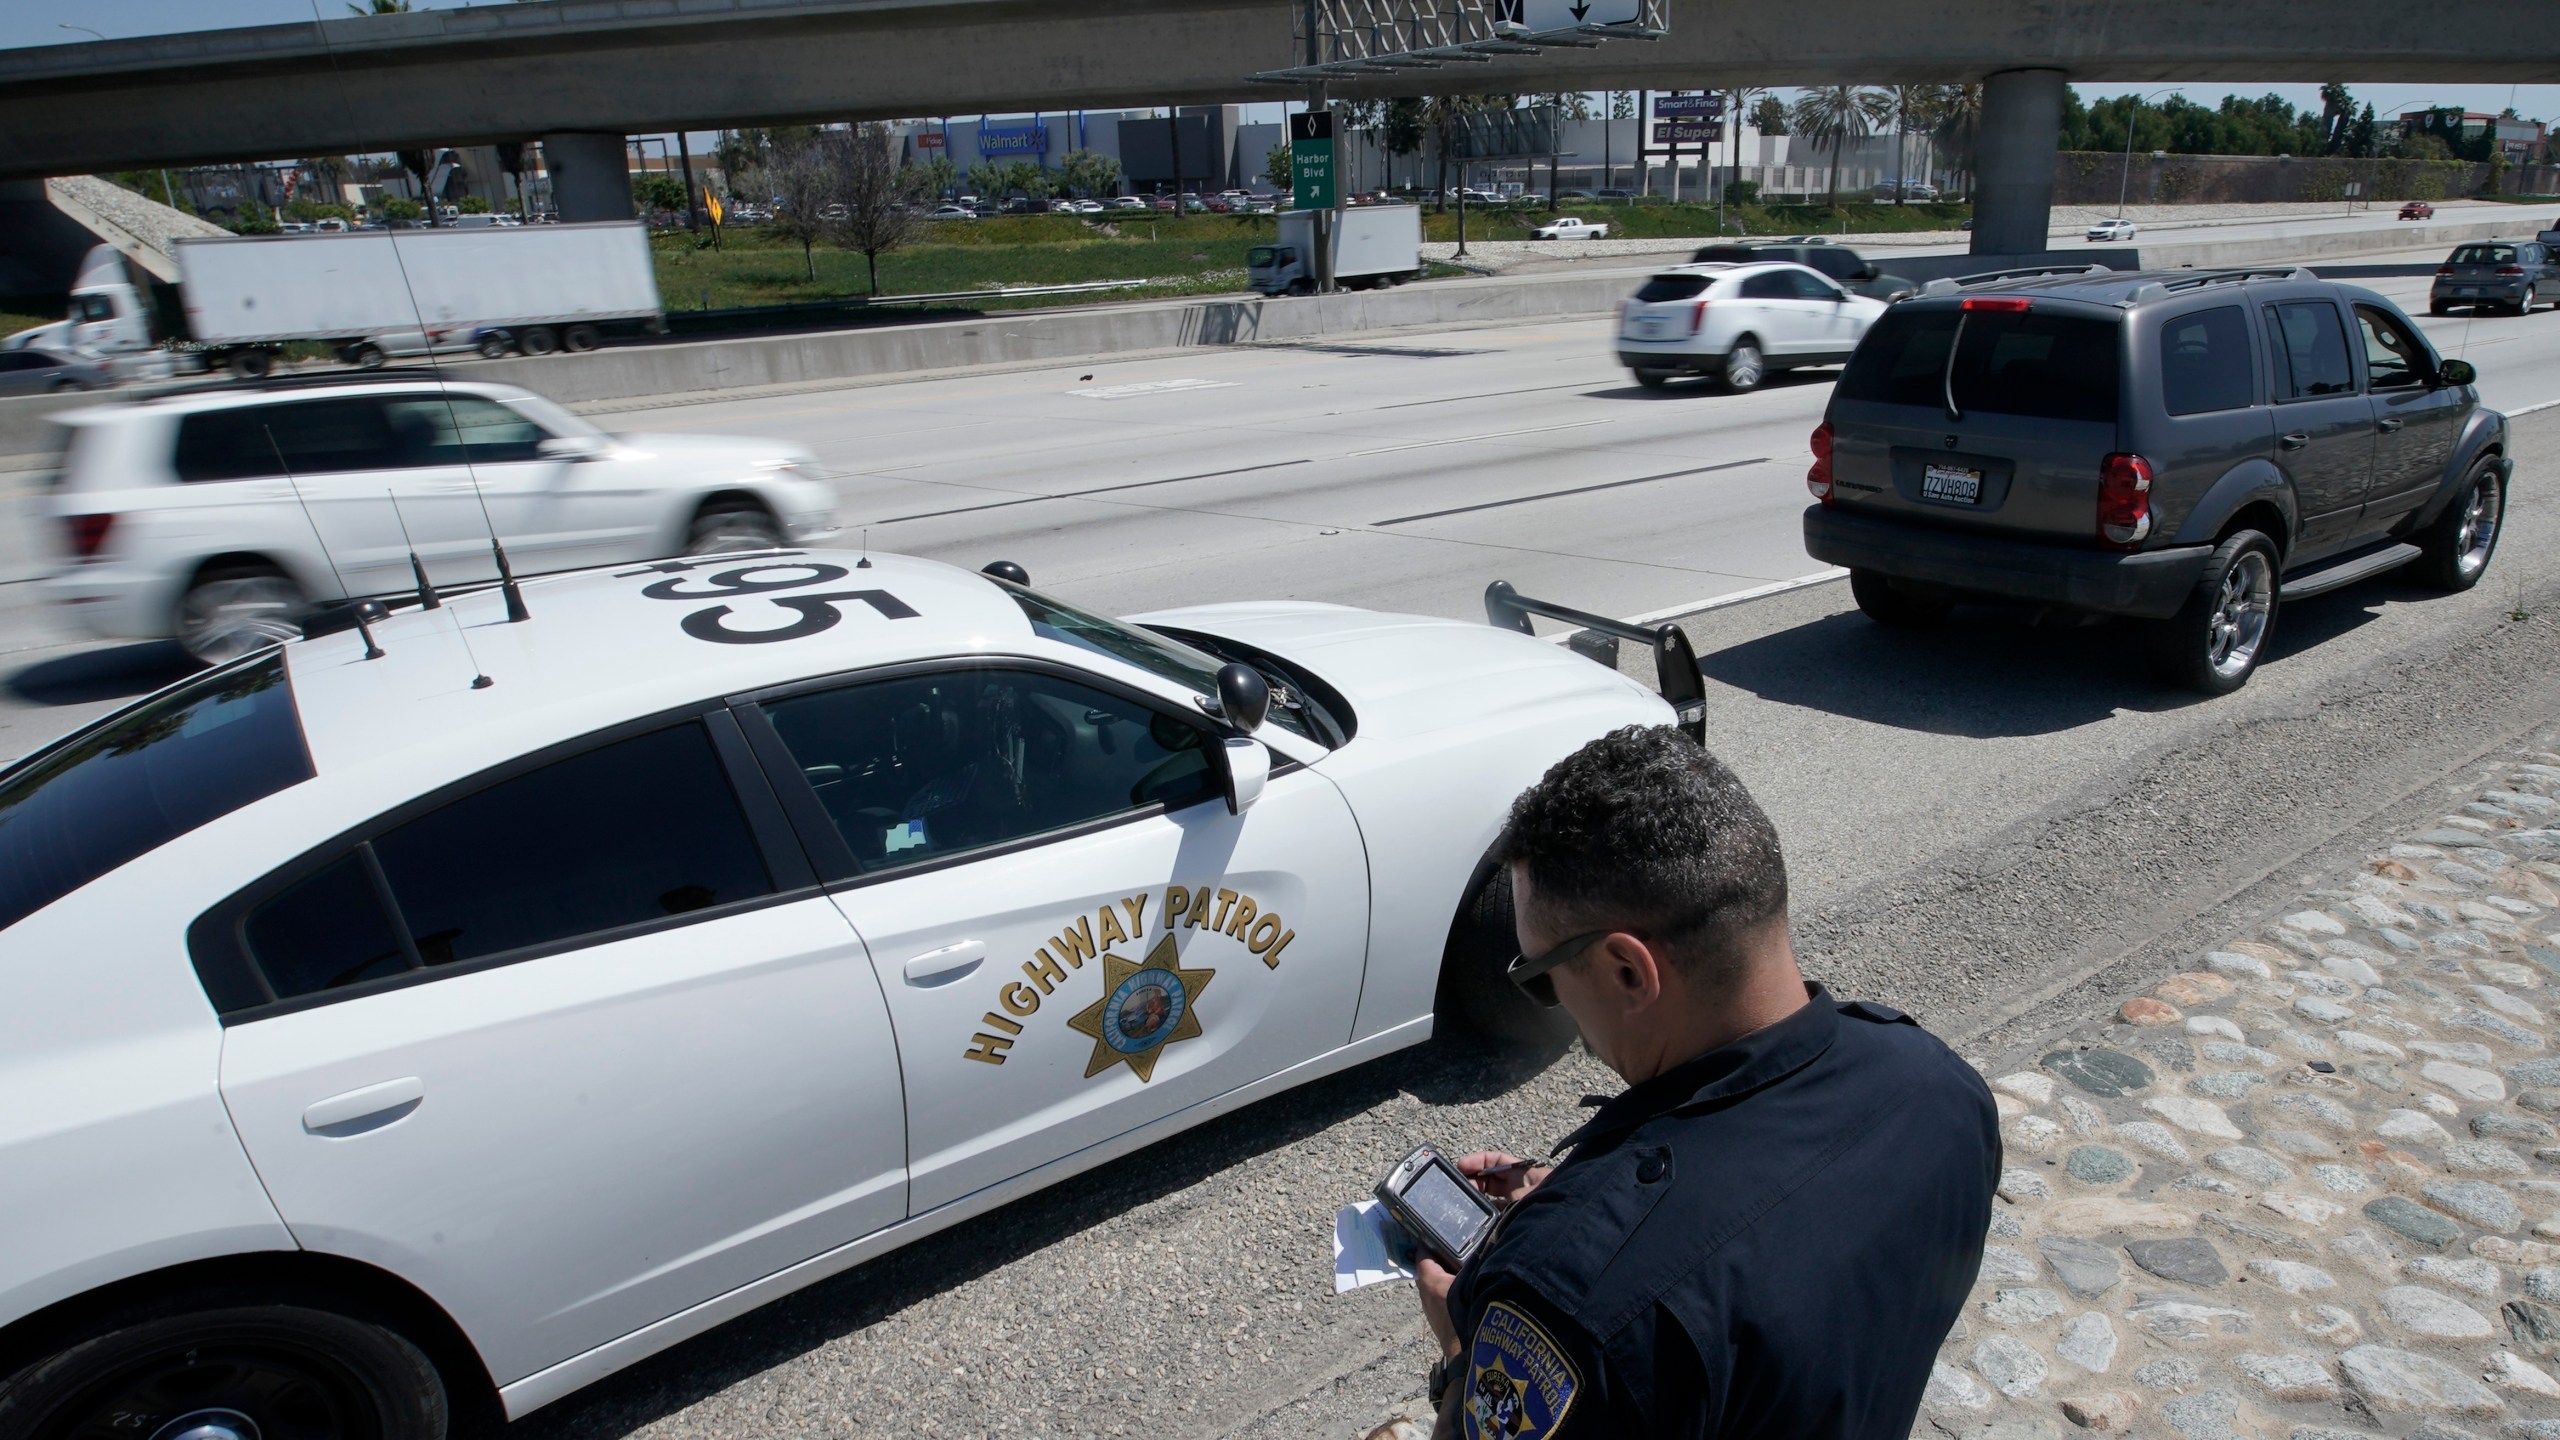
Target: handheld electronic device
[{"x": 1447, "y": 1217}]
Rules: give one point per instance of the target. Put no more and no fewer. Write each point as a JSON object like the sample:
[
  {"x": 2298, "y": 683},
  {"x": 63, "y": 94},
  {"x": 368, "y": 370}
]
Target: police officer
[{"x": 1772, "y": 1229}]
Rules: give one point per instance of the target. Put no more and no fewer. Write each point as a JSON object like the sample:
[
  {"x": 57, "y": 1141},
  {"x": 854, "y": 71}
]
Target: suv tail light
[
  {"x": 1698, "y": 318},
  {"x": 2124, "y": 499},
  {"x": 88, "y": 533},
  {"x": 1818, "y": 479}
]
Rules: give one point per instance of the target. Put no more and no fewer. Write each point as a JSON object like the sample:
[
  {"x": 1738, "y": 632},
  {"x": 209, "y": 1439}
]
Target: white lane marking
[
  {"x": 1469, "y": 439},
  {"x": 2529, "y": 409},
  {"x": 1151, "y": 387},
  {"x": 1694, "y": 607}
]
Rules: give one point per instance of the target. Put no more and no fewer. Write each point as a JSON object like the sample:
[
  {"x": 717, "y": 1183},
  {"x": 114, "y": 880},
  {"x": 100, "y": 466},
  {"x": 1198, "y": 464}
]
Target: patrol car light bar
[
  {"x": 1381, "y": 37},
  {"x": 1675, "y": 664}
]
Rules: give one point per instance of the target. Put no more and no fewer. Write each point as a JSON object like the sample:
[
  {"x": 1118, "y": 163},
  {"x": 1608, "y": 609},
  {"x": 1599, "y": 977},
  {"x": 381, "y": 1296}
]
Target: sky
[{"x": 54, "y": 22}]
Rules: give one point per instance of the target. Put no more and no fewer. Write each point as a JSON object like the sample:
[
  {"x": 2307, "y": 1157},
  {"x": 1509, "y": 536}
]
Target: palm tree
[
  {"x": 1912, "y": 106},
  {"x": 1742, "y": 99},
  {"x": 1837, "y": 114},
  {"x": 1958, "y": 122}
]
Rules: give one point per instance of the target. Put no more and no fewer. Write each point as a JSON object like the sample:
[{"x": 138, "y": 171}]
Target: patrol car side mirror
[
  {"x": 1244, "y": 697},
  {"x": 1248, "y": 770},
  {"x": 2456, "y": 372}
]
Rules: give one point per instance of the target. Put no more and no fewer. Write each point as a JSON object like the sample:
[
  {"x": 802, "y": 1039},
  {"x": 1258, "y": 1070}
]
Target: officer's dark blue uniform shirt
[{"x": 1770, "y": 1240}]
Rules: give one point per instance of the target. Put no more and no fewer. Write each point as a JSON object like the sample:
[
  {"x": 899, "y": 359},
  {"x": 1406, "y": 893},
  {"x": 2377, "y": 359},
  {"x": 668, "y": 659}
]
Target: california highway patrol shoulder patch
[{"x": 1519, "y": 1384}]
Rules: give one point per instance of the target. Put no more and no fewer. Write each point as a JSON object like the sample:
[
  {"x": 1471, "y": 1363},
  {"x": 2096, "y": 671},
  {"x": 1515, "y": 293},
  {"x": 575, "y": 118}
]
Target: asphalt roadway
[{"x": 1989, "y": 825}]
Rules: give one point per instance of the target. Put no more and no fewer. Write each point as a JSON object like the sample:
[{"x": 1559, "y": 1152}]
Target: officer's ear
[{"x": 1627, "y": 969}]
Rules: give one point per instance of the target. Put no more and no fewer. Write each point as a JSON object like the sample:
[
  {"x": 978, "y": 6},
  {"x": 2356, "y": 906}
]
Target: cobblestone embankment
[{"x": 2308, "y": 1189}]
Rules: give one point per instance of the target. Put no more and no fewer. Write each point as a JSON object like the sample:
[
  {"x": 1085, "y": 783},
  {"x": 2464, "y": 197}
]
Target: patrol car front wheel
[
  {"x": 230, "y": 1371},
  {"x": 1477, "y": 999}
]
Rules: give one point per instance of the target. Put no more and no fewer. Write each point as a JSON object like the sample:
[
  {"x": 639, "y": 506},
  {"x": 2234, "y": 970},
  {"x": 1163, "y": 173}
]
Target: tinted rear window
[
  {"x": 307, "y": 437},
  {"x": 144, "y": 778},
  {"x": 1730, "y": 254},
  {"x": 2204, "y": 361},
  {"x": 2048, "y": 367},
  {"x": 2485, "y": 255},
  {"x": 1673, "y": 287}
]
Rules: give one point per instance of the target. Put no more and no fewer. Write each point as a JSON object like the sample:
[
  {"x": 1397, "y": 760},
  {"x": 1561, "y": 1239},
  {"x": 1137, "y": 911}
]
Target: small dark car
[
  {"x": 1852, "y": 270},
  {"x": 2509, "y": 275},
  {"x": 2184, "y": 448},
  {"x": 31, "y": 371}
]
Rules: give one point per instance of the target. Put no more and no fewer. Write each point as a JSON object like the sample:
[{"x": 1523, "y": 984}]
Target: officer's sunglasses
[{"x": 1529, "y": 972}]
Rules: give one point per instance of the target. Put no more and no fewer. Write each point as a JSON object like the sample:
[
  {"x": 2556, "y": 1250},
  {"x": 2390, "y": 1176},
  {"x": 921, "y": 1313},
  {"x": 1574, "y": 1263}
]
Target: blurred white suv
[
  {"x": 1739, "y": 323},
  {"x": 223, "y": 515}
]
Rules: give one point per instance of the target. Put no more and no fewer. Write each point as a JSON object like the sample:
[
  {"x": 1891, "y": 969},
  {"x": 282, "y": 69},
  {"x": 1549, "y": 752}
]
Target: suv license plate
[{"x": 1951, "y": 482}]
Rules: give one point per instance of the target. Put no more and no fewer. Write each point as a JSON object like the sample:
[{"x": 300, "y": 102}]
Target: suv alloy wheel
[
  {"x": 2455, "y": 550},
  {"x": 2215, "y": 641},
  {"x": 228, "y": 613}
]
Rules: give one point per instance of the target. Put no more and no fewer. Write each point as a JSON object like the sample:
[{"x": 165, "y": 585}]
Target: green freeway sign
[{"x": 1311, "y": 160}]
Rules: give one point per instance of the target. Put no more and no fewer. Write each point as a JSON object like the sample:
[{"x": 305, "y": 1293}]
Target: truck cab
[{"x": 1280, "y": 269}]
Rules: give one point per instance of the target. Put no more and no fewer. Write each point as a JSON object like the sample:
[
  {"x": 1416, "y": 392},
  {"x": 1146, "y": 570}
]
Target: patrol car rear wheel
[
  {"x": 1477, "y": 1000},
  {"x": 229, "y": 613},
  {"x": 229, "y": 1371}
]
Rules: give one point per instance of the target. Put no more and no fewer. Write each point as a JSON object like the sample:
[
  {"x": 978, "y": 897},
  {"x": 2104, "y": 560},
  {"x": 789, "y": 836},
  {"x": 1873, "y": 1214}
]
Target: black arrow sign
[{"x": 1581, "y": 10}]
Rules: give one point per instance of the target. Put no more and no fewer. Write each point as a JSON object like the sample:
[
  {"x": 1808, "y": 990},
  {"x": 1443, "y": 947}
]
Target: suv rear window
[
  {"x": 2043, "y": 367},
  {"x": 312, "y": 437},
  {"x": 1729, "y": 254},
  {"x": 141, "y": 779},
  {"x": 1673, "y": 287},
  {"x": 2204, "y": 362}
]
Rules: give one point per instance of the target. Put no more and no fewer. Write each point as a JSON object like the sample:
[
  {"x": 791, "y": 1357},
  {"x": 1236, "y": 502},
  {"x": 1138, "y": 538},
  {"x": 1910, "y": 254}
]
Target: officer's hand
[
  {"x": 1434, "y": 1279},
  {"x": 1504, "y": 1177}
]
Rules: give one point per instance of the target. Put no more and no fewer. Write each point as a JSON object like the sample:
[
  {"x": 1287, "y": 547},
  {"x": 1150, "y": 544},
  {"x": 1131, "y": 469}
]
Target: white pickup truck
[{"x": 1568, "y": 228}]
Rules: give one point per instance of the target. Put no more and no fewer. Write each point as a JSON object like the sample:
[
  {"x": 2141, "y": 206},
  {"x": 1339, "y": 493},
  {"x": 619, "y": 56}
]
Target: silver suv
[{"x": 2184, "y": 448}]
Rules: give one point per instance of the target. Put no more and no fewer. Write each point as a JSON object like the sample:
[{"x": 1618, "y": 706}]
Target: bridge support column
[
  {"x": 591, "y": 176},
  {"x": 2013, "y": 181}
]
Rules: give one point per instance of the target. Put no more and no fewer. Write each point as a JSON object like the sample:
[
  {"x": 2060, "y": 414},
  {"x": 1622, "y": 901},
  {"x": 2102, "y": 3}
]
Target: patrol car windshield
[
  {"x": 143, "y": 778},
  {"x": 1158, "y": 655}
]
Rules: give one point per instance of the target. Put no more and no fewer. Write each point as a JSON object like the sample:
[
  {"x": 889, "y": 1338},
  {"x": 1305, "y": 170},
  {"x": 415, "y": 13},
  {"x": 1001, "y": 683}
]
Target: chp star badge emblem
[{"x": 1144, "y": 1007}]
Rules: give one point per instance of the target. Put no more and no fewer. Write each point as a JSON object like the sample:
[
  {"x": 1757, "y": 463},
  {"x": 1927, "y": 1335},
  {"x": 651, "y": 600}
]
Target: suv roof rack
[
  {"x": 233, "y": 385},
  {"x": 1948, "y": 285},
  {"x": 2156, "y": 289}
]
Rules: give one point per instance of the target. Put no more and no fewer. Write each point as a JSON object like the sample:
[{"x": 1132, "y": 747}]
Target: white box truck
[
  {"x": 1373, "y": 245},
  {"x": 375, "y": 295}
]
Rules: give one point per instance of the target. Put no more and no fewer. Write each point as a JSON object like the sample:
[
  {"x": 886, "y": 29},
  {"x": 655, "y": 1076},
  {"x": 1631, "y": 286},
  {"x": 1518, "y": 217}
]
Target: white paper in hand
[{"x": 1369, "y": 1248}]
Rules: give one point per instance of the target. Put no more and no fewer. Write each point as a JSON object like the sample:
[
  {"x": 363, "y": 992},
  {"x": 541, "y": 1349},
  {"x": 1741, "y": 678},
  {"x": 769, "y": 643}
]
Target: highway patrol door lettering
[{"x": 1143, "y": 950}]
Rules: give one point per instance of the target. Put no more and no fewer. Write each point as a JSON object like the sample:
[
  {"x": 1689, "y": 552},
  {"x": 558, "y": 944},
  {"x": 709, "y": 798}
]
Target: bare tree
[
  {"x": 877, "y": 196},
  {"x": 804, "y": 178}
]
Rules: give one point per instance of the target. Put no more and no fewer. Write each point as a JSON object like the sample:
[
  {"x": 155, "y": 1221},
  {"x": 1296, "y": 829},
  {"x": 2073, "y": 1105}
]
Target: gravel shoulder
[{"x": 2002, "y": 828}]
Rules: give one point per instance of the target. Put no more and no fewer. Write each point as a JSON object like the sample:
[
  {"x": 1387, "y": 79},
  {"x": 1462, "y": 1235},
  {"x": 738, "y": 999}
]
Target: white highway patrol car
[{"x": 469, "y": 1006}]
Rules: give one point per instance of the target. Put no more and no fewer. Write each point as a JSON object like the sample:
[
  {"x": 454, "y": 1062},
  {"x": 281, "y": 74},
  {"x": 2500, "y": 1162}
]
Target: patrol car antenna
[
  {"x": 505, "y": 575},
  {"x": 371, "y": 650},
  {"x": 427, "y": 597},
  {"x": 865, "y": 562}
]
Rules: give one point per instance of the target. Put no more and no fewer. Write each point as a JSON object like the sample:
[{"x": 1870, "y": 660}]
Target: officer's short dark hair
[{"x": 1643, "y": 830}]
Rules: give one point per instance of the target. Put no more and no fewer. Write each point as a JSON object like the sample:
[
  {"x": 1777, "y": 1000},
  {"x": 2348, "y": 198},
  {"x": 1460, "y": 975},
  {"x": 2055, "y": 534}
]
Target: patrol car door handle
[
  {"x": 2294, "y": 441},
  {"x": 370, "y": 1108},
  {"x": 2387, "y": 426},
  {"x": 941, "y": 967}
]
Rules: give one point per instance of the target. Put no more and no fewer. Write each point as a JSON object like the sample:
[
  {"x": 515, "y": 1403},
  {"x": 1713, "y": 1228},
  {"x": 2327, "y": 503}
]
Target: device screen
[{"x": 1444, "y": 1203}]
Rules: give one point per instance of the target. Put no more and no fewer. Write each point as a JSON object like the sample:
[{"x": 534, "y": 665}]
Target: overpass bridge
[{"x": 580, "y": 74}]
